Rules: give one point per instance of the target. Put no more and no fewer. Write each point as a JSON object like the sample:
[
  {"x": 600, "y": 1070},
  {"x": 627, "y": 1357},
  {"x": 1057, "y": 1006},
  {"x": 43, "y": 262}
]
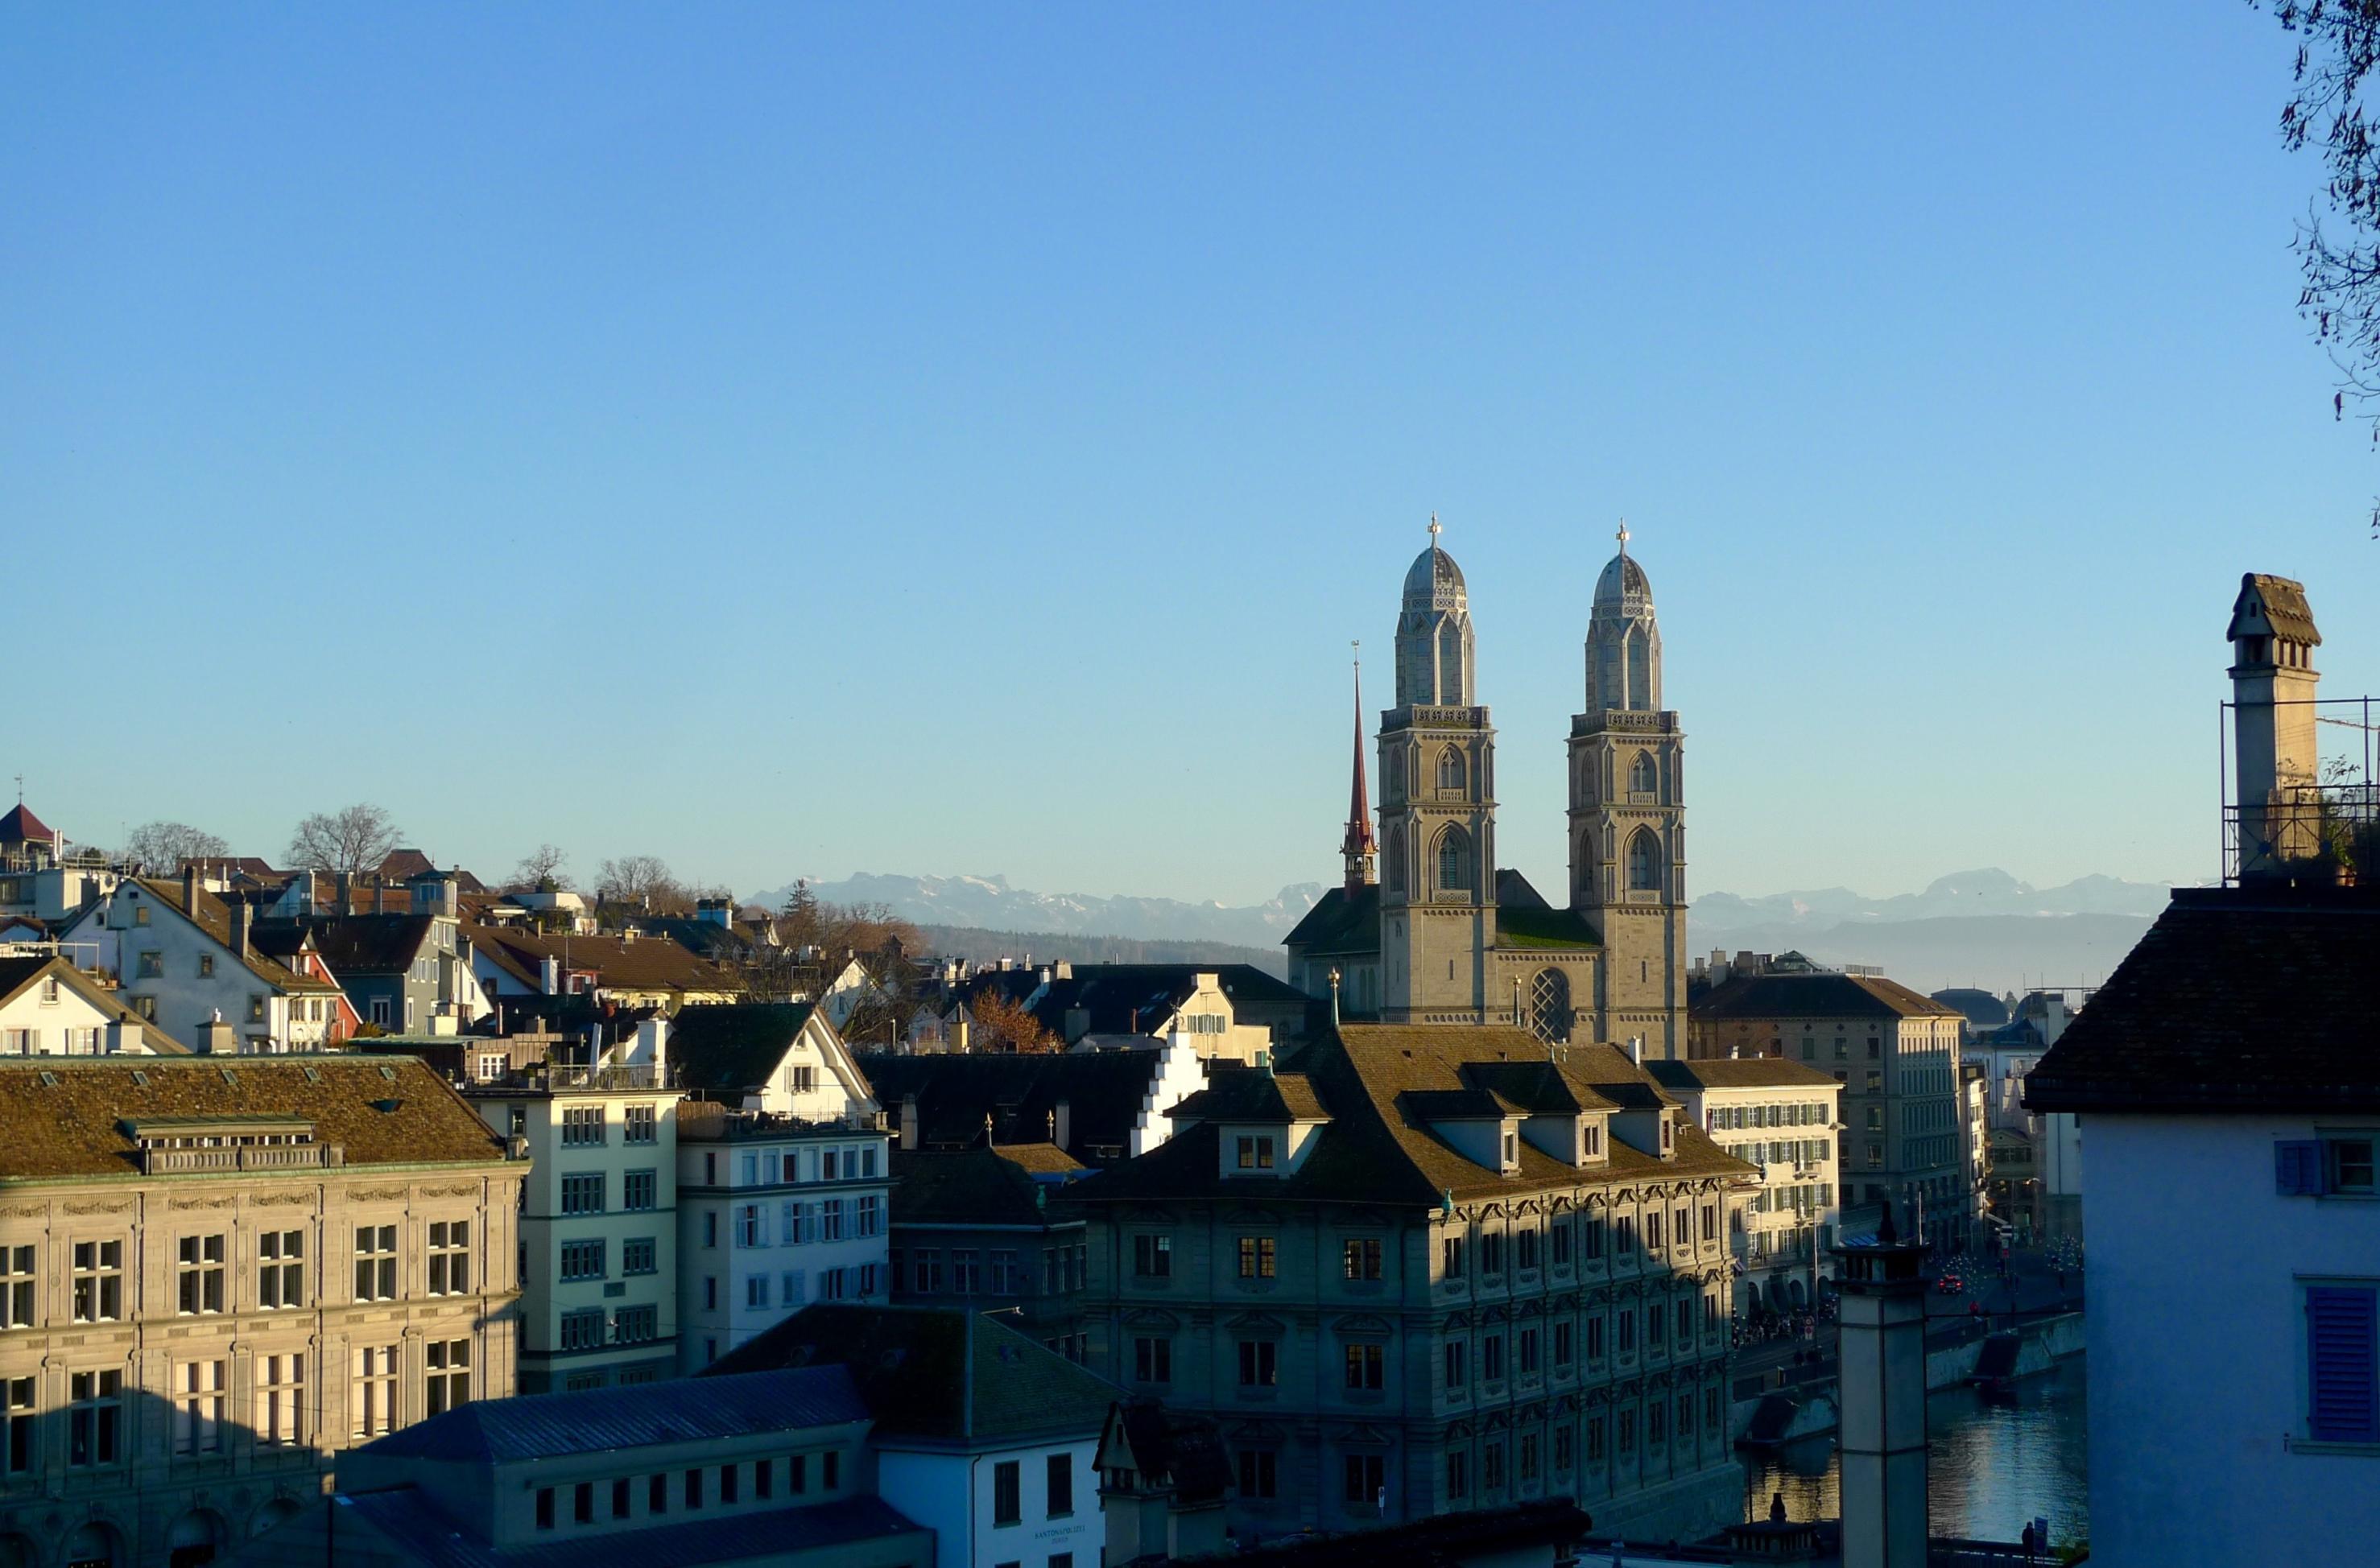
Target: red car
[{"x": 1951, "y": 1284}]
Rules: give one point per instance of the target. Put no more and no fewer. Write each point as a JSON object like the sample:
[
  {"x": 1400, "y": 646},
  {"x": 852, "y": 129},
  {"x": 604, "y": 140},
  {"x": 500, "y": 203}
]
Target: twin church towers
[{"x": 1437, "y": 934}]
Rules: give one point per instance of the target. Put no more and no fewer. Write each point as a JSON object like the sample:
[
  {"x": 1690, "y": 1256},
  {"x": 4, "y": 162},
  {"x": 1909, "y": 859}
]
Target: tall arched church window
[
  {"x": 1454, "y": 864},
  {"x": 1450, "y": 769},
  {"x": 1392, "y": 858},
  {"x": 1643, "y": 778},
  {"x": 1643, "y": 861},
  {"x": 1549, "y": 1005},
  {"x": 1395, "y": 781}
]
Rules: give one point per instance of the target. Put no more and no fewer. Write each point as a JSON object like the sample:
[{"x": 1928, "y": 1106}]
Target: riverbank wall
[{"x": 2041, "y": 1346}]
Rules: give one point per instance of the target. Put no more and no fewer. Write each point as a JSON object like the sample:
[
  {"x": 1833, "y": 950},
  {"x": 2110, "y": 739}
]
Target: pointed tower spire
[{"x": 1357, "y": 848}]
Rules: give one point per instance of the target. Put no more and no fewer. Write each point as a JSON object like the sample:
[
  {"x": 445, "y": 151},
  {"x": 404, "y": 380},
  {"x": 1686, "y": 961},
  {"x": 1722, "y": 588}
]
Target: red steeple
[{"x": 1356, "y": 848}]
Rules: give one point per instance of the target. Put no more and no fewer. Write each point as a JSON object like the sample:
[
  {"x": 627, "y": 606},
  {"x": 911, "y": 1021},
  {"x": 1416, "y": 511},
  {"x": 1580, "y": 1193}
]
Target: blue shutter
[
  {"x": 2297, "y": 1168},
  {"x": 2343, "y": 1363}
]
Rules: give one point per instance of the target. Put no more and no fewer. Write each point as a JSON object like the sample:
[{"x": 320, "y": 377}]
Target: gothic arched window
[
  {"x": 1454, "y": 864},
  {"x": 1450, "y": 769},
  {"x": 1549, "y": 1005},
  {"x": 1392, "y": 858},
  {"x": 1643, "y": 861},
  {"x": 1643, "y": 778}
]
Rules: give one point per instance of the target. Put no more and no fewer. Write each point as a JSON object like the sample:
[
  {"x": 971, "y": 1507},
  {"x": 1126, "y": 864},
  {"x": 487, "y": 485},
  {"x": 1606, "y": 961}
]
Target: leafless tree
[
  {"x": 644, "y": 880},
  {"x": 2339, "y": 47},
  {"x": 164, "y": 846},
  {"x": 355, "y": 838},
  {"x": 541, "y": 869}
]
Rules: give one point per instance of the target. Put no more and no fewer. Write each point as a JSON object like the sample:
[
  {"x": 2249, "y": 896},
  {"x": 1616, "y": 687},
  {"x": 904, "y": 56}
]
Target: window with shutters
[{"x": 2343, "y": 1362}]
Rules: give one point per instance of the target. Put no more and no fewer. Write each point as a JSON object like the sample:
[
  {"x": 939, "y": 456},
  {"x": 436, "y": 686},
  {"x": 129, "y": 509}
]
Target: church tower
[
  {"x": 1628, "y": 819},
  {"x": 1437, "y": 810}
]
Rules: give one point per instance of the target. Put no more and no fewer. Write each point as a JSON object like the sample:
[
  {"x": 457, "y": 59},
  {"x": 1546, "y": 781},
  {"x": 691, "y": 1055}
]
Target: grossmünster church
[{"x": 1427, "y": 928}]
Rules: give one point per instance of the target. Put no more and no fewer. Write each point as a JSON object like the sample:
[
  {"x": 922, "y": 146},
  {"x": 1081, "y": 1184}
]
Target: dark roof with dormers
[
  {"x": 1381, "y": 1086},
  {"x": 940, "y": 1374},
  {"x": 1104, "y": 1091},
  {"x": 65, "y": 1115},
  {"x": 647, "y": 963},
  {"x": 963, "y": 1187},
  {"x": 1817, "y": 996},
  {"x": 1132, "y": 998},
  {"x": 550, "y": 1426},
  {"x": 354, "y": 945},
  {"x": 2238, "y": 1001}
]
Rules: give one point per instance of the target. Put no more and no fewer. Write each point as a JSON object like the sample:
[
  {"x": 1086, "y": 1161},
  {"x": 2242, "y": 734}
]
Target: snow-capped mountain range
[{"x": 1973, "y": 926}]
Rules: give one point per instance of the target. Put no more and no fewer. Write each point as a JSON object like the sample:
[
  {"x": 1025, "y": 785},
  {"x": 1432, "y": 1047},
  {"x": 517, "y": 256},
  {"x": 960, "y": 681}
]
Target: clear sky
[{"x": 808, "y": 439}]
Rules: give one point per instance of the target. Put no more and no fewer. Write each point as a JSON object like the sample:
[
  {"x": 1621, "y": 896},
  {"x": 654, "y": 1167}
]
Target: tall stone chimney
[
  {"x": 2274, "y": 758},
  {"x": 217, "y": 1038},
  {"x": 243, "y": 918},
  {"x": 1882, "y": 1329}
]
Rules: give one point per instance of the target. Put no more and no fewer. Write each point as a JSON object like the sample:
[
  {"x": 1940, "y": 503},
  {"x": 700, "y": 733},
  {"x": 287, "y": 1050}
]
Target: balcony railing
[
  {"x": 718, "y": 1122},
  {"x": 242, "y": 1157},
  {"x": 575, "y": 1076}
]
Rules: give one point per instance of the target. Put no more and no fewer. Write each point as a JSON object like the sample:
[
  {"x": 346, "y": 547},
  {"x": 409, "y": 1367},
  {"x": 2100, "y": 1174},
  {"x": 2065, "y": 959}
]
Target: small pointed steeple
[{"x": 1357, "y": 848}]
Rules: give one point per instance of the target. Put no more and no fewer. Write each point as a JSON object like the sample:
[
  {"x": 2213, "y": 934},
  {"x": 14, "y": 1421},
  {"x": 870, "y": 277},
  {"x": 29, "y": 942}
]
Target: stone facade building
[
  {"x": 1437, "y": 1268},
  {"x": 1897, "y": 1055},
  {"x": 218, "y": 1272},
  {"x": 1779, "y": 1117},
  {"x": 1446, "y": 935}
]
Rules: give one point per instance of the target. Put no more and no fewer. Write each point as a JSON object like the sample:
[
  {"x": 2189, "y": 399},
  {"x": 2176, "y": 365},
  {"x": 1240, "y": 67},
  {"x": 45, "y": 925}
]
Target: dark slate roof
[
  {"x": 705, "y": 938},
  {"x": 1104, "y": 1093},
  {"x": 385, "y": 1110},
  {"x": 1817, "y": 996},
  {"x": 407, "y": 1516},
  {"x": 21, "y": 827},
  {"x": 1746, "y": 1072},
  {"x": 1377, "y": 1146},
  {"x": 962, "y": 1187},
  {"x": 354, "y": 945},
  {"x": 548, "y": 1426},
  {"x": 650, "y": 963},
  {"x": 1537, "y": 1088},
  {"x": 2237, "y": 1001},
  {"x": 1982, "y": 1009},
  {"x": 734, "y": 1046},
  {"x": 908, "y": 1361},
  {"x": 1340, "y": 922},
  {"x": 1514, "y": 890}
]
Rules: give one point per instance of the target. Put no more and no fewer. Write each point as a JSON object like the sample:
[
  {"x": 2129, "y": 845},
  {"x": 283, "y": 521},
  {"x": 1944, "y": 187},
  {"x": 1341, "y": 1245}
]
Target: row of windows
[
  {"x": 774, "y": 1167},
  {"x": 201, "y": 1272},
  {"x": 1724, "y": 1118},
  {"x": 697, "y": 1487},
  {"x": 834, "y": 1285},
  {"x": 95, "y": 1427},
  {"x": 799, "y": 1223},
  {"x": 1062, "y": 1269},
  {"x": 1361, "y": 1257},
  {"x": 584, "y": 1192}
]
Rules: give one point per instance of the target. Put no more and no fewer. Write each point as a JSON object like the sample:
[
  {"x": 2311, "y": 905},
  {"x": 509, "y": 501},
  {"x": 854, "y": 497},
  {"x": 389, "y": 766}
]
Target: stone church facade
[{"x": 1438, "y": 933}]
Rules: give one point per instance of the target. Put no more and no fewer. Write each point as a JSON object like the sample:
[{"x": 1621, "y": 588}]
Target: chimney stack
[
  {"x": 1882, "y": 1334},
  {"x": 243, "y": 916},
  {"x": 909, "y": 1121},
  {"x": 344, "y": 885},
  {"x": 1061, "y": 1124},
  {"x": 191, "y": 888},
  {"x": 216, "y": 1038},
  {"x": 2275, "y": 759}
]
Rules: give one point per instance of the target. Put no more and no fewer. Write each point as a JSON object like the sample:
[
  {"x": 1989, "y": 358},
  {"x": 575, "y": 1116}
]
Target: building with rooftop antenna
[{"x": 1442, "y": 933}]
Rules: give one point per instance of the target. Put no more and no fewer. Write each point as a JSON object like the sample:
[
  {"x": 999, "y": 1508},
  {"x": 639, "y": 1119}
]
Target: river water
[{"x": 1994, "y": 1462}]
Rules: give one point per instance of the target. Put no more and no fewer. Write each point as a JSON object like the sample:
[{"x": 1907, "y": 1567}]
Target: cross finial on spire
[
  {"x": 1433, "y": 528},
  {"x": 1623, "y": 536}
]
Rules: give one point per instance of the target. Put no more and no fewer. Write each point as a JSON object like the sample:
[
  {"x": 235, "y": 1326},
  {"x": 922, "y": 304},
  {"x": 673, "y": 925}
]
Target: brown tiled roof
[
  {"x": 64, "y": 1116},
  {"x": 1739, "y": 1072},
  {"x": 1373, "y": 1079},
  {"x": 1818, "y": 997},
  {"x": 648, "y": 963},
  {"x": 1042, "y": 1159},
  {"x": 212, "y": 916},
  {"x": 962, "y": 1187},
  {"x": 21, "y": 827},
  {"x": 1251, "y": 1095},
  {"x": 2284, "y": 603},
  {"x": 2238, "y": 1000}
]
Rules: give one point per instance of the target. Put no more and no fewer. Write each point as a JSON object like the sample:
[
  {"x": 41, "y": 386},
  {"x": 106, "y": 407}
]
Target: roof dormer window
[{"x": 1256, "y": 1153}]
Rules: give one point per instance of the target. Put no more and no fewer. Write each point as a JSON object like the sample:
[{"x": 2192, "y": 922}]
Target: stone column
[{"x": 1883, "y": 1391}]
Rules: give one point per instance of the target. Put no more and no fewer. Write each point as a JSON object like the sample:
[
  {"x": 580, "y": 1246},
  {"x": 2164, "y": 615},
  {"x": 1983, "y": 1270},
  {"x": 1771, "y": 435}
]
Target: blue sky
[{"x": 816, "y": 438}]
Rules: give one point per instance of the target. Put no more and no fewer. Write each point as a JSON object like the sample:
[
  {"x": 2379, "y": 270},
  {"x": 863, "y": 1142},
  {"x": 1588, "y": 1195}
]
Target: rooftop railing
[{"x": 259, "y": 1157}]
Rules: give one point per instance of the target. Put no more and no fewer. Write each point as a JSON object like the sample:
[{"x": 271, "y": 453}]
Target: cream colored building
[
  {"x": 1903, "y": 1133},
  {"x": 1447, "y": 935},
  {"x": 48, "y": 1007},
  {"x": 1779, "y": 1117},
  {"x": 216, "y": 1273},
  {"x": 599, "y": 1221}
]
